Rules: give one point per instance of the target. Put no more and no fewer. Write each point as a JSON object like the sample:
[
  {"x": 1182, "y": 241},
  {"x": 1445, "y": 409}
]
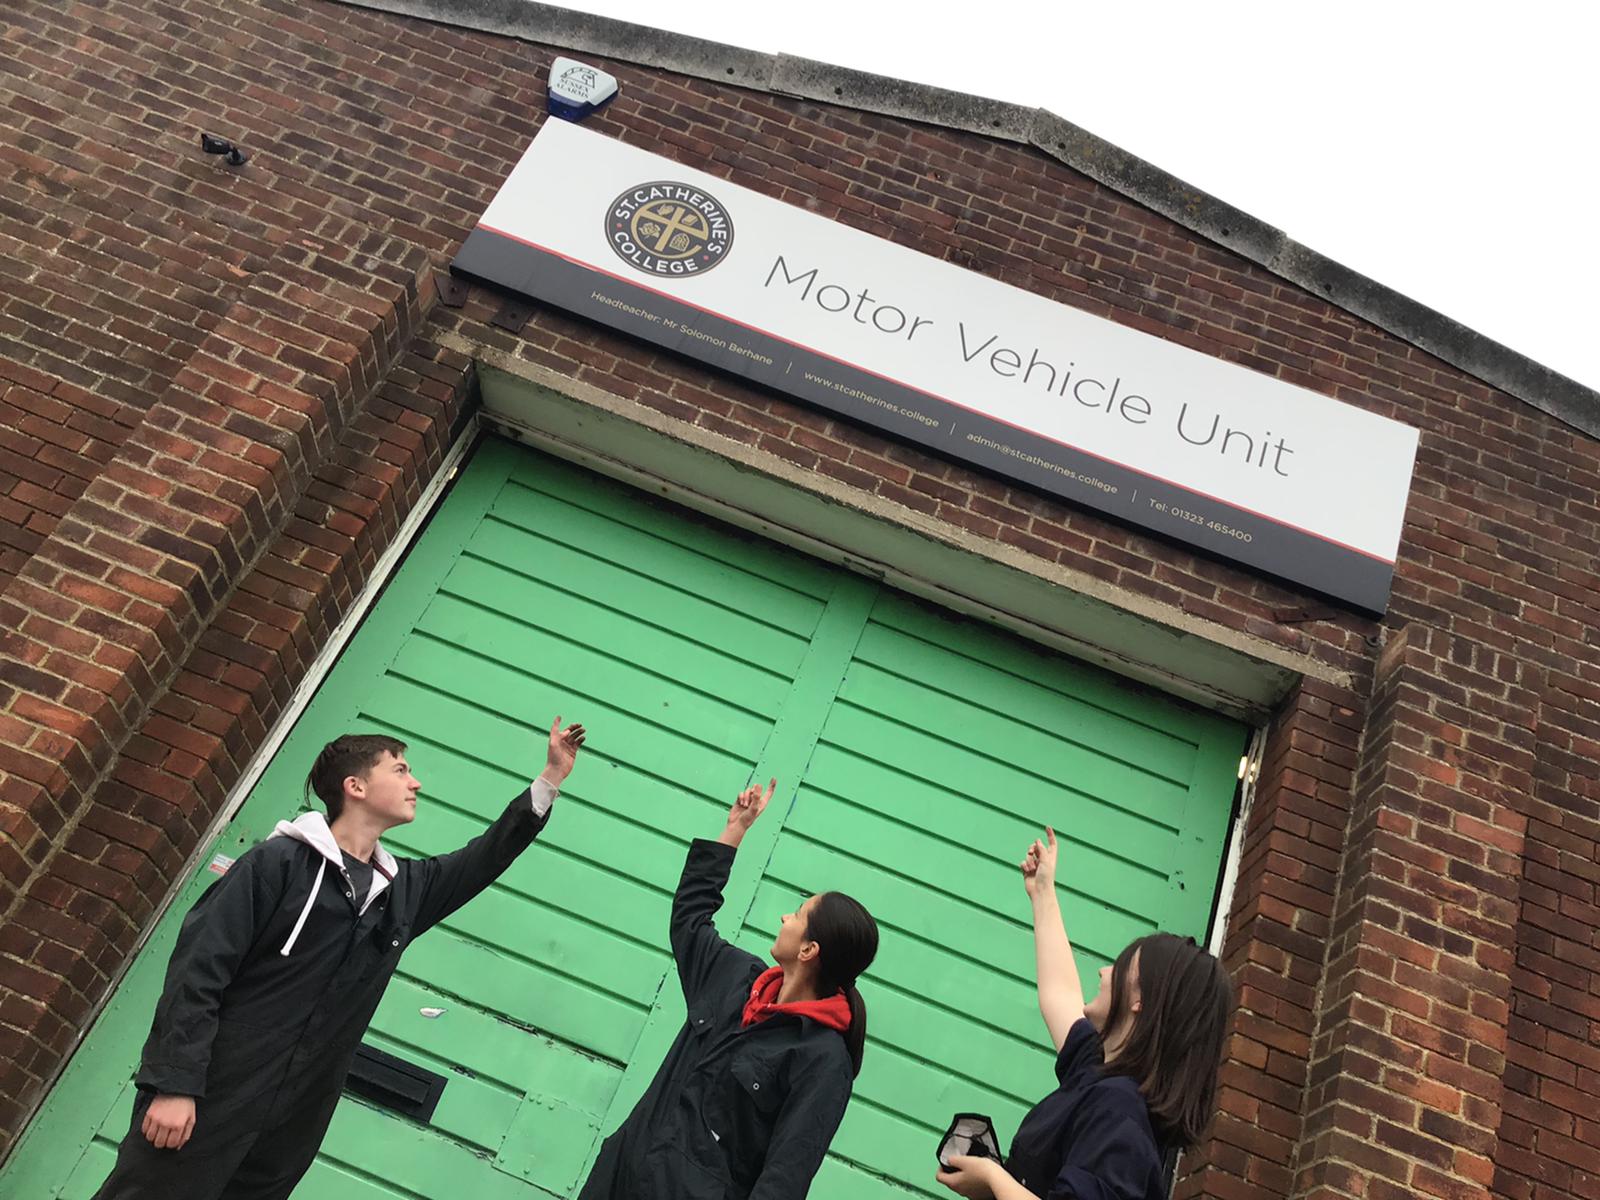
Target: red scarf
[{"x": 834, "y": 1011}]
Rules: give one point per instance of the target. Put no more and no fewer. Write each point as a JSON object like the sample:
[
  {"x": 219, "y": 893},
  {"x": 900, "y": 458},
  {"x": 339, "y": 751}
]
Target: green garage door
[{"x": 918, "y": 753}]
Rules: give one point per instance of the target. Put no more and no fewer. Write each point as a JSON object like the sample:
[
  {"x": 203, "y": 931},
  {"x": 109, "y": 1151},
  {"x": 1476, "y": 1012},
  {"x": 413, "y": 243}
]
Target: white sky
[{"x": 1447, "y": 150}]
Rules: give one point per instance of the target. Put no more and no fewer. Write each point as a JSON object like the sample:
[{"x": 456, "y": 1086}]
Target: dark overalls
[
  {"x": 277, "y": 971},
  {"x": 733, "y": 1111}
]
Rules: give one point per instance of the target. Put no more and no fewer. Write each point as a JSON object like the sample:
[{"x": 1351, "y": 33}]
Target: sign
[{"x": 1231, "y": 460}]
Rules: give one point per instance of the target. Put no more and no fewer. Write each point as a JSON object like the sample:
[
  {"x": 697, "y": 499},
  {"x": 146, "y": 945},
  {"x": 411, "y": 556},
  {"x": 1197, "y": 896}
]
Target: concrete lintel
[{"x": 1152, "y": 643}]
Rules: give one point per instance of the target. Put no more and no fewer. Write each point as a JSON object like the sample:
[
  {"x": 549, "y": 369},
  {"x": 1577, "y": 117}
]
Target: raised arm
[
  {"x": 1060, "y": 991},
  {"x": 450, "y": 880},
  {"x": 752, "y": 802},
  {"x": 697, "y": 948}
]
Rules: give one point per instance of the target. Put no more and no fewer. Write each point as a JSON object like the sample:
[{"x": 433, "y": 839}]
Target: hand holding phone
[{"x": 971, "y": 1134}]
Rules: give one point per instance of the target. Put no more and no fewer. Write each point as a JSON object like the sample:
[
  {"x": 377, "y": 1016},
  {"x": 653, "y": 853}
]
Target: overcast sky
[{"x": 1446, "y": 150}]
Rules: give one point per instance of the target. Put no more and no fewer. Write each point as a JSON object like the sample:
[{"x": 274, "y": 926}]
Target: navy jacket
[{"x": 1091, "y": 1138}]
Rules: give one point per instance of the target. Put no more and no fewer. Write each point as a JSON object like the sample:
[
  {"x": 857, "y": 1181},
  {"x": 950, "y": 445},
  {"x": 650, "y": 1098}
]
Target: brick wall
[
  {"x": 1550, "y": 1134},
  {"x": 221, "y": 390},
  {"x": 87, "y": 863},
  {"x": 1405, "y": 1081},
  {"x": 1278, "y": 933}
]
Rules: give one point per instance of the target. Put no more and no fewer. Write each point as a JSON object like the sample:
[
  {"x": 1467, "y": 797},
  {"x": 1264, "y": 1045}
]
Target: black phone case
[{"x": 985, "y": 1145}]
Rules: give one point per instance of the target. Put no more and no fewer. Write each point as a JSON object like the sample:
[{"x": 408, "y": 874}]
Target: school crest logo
[{"x": 666, "y": 228}]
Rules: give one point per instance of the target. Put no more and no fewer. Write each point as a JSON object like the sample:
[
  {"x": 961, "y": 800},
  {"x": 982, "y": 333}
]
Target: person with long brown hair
[
  {"x": 751, "y": 1092},
  {"x": 1136, "y": 1067}
]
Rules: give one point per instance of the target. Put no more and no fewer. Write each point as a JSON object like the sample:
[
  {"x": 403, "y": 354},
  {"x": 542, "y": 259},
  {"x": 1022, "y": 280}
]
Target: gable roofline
[{"x": 1126, "y": 174}]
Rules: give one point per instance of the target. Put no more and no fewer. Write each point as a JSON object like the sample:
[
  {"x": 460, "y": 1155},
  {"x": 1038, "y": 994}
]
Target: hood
[{"x": 312, "y": 829}]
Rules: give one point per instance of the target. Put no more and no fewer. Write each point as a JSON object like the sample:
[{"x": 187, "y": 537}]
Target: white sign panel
[{"x": 1237, "y": 462}]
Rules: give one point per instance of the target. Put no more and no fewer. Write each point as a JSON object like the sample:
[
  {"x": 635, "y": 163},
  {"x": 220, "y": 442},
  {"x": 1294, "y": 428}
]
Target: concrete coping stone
[{"x": 1130, "y": 176}]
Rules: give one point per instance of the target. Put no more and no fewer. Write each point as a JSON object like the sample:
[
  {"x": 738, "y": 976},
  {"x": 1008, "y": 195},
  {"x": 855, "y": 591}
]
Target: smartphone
[{"x": 969, "y": 1133}]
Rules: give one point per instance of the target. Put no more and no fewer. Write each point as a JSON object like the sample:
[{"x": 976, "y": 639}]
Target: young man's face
[{"x": 388, "y": 791}]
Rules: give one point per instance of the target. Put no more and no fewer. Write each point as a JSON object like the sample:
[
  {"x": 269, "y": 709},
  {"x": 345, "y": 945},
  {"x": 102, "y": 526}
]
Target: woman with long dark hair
[
  {"x": 1136, "y": 1067},
  {"x": 751, "y": 1092}
]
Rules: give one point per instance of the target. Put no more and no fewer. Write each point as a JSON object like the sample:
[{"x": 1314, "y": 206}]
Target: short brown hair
[{"x": 348, "y": 754}]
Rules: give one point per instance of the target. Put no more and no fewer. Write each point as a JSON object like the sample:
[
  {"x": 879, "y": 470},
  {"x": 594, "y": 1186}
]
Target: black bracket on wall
[
  {"x": 452, "y": 291},
  {"x": 513, "y": 315},
  {"x": 394, "y": 1083}
]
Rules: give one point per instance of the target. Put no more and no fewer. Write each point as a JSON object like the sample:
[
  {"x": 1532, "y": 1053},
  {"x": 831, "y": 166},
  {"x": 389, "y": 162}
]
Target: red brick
[{"x": 1418, "y": 887}]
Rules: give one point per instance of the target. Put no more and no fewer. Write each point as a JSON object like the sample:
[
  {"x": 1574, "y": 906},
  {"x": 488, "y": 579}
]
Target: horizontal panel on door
[{"x": 603, "y": 604}]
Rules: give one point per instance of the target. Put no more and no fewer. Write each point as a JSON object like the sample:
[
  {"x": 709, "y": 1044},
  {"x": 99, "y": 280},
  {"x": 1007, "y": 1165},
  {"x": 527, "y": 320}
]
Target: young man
[{"x": 279, "y": 967}]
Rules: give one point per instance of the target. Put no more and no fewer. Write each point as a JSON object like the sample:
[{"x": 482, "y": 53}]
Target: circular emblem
[{"x": 667, "y": 228}]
